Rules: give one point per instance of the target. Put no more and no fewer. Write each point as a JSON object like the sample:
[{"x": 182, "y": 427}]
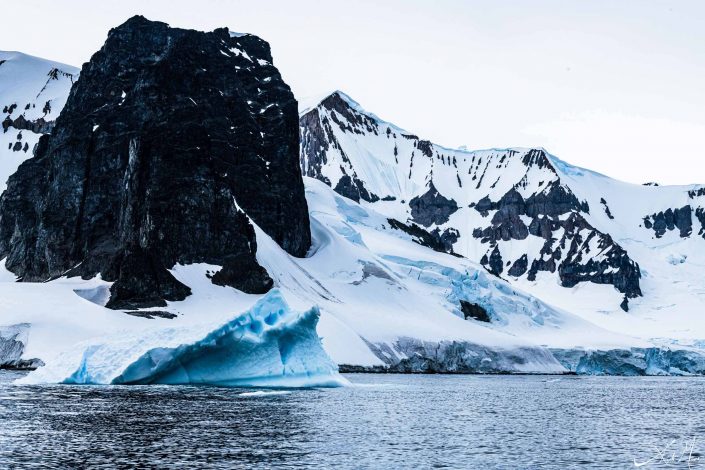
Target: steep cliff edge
[{"x": 168, "y": 142}]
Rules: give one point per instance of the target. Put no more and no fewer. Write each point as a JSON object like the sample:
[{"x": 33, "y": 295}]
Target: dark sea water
[{"x": 385, "y": 421}]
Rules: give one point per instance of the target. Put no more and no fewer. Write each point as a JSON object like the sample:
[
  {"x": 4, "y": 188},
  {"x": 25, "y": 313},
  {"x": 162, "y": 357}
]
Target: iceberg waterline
[{"x": 270, "y": 345}]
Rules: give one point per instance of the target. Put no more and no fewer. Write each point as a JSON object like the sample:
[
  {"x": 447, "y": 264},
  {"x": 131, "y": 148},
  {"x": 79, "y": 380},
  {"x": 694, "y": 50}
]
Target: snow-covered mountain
[
  {"x": 416, "y": 260},
  {"x": 525, "y": 215},
  {"x": 32, "y": 94},
  {"x": 385, "y": 303}
]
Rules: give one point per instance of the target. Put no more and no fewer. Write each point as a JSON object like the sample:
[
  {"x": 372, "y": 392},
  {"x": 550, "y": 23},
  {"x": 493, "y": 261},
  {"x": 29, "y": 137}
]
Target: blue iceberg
[{"x": 270, "y": 345}]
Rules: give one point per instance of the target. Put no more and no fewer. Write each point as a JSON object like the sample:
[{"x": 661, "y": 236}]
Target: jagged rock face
[
  {"x": 698, "y": 211},
  {"x": 168, "y": 142},
  {"x": 510, "y": 210},
  {"x": 671, "y": 219},
  {"x": 436, "y": 240},
  {"x": 317, "y": 137},
  {"x": 34, "y": 91},
  {"x": 581, "y": 253},
  {"x": 700, "y": 215},
  {"x": 431, "y": 208}
]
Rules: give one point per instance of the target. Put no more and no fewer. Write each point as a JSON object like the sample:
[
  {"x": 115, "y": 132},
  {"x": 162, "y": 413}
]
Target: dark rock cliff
[
  {"x": 435, "y": 239},
  {"x": 169, "y": 140},
  {"x": 580, "y": 254}
]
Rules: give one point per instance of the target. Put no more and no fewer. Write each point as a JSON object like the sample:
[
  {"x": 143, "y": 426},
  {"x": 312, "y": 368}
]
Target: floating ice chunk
[
  {"x": 268, "y": 346},
  {"x": 263, "y": 393}
]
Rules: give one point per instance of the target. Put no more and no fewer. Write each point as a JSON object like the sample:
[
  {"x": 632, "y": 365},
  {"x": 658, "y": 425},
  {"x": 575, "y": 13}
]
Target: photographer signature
[{"x": 672, "y": 454}]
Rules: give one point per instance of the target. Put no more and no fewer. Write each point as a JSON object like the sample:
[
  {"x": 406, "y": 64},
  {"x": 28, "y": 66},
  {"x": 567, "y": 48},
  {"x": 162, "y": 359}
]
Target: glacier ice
[
  {"x": 269, "y": 345},
  {"x": 13, "y": 340},
  {"x": 633, "y": 361}
]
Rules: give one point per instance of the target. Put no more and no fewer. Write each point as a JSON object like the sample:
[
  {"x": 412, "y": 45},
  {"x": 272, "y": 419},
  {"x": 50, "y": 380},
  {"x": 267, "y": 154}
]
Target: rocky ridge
[{"x": 508, "y": 209}]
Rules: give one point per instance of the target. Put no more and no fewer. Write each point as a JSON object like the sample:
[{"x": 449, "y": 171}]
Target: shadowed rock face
[
  {"x": 169, "y": 140},
  {"x": 473, "y": 310},
  {"x": 700, "y": 215},
  {"x": 435, "y": 239},
  {"x": 671, "y": 219},
  {"x": 556, "y": 211},
  {"x": 432, "y": 208},
  {"x": 319, "y": 137}
]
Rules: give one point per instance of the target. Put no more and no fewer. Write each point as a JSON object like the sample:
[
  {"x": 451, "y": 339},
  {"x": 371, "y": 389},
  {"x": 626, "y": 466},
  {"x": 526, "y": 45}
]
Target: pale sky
[{"x": 614, "y": 86}]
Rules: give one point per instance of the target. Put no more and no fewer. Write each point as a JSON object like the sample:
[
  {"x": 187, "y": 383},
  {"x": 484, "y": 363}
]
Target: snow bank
[{"x": 268, "y": 346}]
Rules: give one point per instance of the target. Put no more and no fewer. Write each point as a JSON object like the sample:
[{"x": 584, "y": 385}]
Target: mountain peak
[
  {"x": 509, "y": 209},
  {"x": 328, "y": 99},
  {"x": 339, "y": 95},
  {"x": 24, "y": 59}
]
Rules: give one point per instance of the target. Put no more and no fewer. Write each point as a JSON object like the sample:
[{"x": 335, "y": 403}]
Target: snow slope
[
  {"x": 575, "y": 238},
  {"x": 32, "y": 94}
]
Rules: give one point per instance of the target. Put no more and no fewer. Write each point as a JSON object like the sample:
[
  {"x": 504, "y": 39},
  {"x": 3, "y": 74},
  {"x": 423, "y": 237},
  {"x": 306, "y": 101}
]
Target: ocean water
[{"x": 383, "y": 421}]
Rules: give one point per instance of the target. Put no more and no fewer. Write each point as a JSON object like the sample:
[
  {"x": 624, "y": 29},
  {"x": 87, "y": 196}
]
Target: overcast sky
[{"x": 614, "y": 86}]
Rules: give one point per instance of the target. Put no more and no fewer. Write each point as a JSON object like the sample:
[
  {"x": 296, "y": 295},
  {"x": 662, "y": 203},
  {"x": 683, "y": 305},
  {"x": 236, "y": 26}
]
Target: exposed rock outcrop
[
  {"x": 32, "y": 109},
  {"x": 474, "y": 311},
  {"x": 435, "y": 239},
  {"x": 168, "y": 142},
  {"x": 700, "y": 215},
  {"x": 582, "y": 253},
  {"x": 317, "y": 137},
  {"x": 432, "y": 208},
  {"x": 671, "y": 219}
]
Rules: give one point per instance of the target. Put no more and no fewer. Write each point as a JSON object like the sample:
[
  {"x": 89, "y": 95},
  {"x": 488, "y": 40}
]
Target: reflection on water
[{"x": 393, "y": 421}]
